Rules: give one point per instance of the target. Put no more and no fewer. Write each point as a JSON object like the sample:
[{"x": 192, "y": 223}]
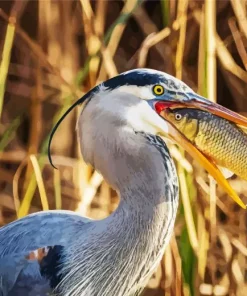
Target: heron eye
[
  {"x": 178, "y": 116},
  {"x": 158, "y": 90}
]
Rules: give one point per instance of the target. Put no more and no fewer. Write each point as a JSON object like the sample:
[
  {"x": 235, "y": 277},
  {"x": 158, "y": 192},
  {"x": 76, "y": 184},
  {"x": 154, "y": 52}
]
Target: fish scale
[{"x": 222, "y": 141}]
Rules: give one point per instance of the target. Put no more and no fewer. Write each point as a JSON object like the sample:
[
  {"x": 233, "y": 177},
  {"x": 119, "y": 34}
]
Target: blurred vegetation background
[{"x": 52, "y": 52}]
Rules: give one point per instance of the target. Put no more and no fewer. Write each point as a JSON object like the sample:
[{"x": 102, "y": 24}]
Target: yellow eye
[{"x": 158, "y": 90}]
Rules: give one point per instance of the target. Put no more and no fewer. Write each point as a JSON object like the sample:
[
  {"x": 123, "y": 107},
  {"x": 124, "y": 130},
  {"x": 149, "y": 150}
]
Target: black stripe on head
[
  {"x": 87, "y": 96},
  {"x": 138, "y": 78}
]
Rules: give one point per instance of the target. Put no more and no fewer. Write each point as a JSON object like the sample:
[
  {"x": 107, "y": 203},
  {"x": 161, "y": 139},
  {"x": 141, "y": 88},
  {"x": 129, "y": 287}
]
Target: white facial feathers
[
  {"x": 125, "y": 105},
  {"x": 142, "y": 92},
  {"x": 142, "y": 117}
]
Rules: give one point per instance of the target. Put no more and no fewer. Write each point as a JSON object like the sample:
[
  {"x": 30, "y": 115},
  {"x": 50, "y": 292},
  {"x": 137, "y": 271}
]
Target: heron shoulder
[
  {"x": 39, "y": 230},
  {"x": 19, "y": 239}
]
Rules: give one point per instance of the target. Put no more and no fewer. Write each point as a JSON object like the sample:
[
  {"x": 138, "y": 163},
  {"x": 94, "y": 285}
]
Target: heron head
[{"x": 137, "y": 99}]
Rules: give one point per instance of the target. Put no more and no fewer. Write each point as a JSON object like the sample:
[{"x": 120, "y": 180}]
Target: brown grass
[{"x": 54, "y": 51}]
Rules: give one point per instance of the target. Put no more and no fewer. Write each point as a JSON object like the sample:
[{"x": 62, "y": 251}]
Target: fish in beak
[
  {"x": 195, "y": 101},
  {"x": 192, "y": 100},
  {"x": 174, "y": 100}
]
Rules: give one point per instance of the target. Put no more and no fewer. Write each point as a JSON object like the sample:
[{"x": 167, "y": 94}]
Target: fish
[{"x": 220, "y": 140}]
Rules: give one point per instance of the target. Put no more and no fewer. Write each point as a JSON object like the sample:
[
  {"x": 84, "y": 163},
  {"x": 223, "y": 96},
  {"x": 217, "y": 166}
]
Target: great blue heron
[{"x": 119, "y": 130}]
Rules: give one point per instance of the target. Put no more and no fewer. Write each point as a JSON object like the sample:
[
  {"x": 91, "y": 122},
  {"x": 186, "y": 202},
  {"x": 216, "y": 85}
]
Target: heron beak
[
  {"x": 202, "y": 104},
  {"x": 192, "y": 100}
]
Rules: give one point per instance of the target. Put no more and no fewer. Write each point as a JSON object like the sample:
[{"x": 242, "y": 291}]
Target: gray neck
[
  {"x": 147, "y": 211},
  {"x": 149, "y": 186},
  {"x": 127, "y": 246},
  {"x": 147, "y": 181}
]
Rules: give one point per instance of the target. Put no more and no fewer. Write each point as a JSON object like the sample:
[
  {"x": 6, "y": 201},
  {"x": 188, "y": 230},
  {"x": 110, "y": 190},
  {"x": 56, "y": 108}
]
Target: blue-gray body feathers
[
  {"x": 19, "y": 276},
  {"x": 120, "y": 249}
]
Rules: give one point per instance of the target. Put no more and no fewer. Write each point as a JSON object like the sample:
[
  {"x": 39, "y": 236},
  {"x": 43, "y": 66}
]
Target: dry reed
[{"x": 63, "y": 50}]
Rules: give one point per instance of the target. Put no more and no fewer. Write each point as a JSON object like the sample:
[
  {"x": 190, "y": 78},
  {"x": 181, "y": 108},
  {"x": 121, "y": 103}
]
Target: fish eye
[
  {"x": 178, "y": 116},
  {"x": 158, "y": 90}
]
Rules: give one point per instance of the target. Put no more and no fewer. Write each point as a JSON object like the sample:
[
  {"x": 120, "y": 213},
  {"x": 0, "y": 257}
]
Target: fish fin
[{"x": 225, "y": 172}]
